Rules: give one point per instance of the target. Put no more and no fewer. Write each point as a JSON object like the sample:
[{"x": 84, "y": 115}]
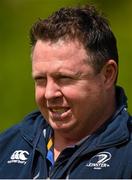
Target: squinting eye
[
  {"x": 65, "y": 79},
  {"x": 40, "y": 80}
]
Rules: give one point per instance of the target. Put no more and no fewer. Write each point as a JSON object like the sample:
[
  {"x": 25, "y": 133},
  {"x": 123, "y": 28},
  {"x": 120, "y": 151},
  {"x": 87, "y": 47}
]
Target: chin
[{"x": 61, "y": 126}]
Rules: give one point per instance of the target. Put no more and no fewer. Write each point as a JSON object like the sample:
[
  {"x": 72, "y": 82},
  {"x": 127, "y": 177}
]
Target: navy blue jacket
[{"x": 105, "y": 154}]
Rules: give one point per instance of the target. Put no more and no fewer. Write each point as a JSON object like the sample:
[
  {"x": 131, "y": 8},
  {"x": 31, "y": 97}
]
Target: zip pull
[{"x": 44, "y": 133}]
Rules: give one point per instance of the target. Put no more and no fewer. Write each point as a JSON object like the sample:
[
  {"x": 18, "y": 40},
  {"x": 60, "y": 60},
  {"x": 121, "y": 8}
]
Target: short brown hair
[{"x": 85, "y": 24}]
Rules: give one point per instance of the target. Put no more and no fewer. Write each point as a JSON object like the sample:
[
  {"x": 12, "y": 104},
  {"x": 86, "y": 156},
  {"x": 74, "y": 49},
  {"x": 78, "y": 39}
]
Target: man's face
[{"x": 68, "y": 92}]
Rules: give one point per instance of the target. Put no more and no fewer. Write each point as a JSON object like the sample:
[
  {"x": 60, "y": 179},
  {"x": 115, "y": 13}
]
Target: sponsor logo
[
  {"x": 100, "y": 160},
  {"x": 19, "y": 156}
]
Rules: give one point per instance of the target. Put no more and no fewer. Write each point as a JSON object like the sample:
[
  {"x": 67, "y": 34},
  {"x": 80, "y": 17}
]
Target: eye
[
  {"x": 64, "y": 79},
  {"x": 40, "y": 80}
]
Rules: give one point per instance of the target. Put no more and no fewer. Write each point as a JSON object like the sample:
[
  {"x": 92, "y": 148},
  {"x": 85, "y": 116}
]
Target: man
[{"x": 83, "y": 129}]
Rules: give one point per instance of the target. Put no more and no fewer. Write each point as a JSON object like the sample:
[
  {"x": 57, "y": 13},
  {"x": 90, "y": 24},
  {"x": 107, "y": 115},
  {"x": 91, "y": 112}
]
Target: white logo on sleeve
[
  {"x": 99, "y": 161},
  {"x": 19, "y": 156}
]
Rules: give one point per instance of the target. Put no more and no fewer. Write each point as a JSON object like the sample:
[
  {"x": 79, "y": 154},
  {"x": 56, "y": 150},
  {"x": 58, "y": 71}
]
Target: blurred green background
[{"x": 16, "y": 18}]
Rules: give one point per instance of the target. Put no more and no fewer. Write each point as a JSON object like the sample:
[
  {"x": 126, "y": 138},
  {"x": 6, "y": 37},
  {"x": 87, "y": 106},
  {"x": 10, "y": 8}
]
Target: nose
[{"x": 52, "y": 90}]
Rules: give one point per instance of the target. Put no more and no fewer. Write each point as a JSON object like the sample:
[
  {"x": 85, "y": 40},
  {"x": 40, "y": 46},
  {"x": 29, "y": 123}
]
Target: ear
[{"x": 110, "y": 72}]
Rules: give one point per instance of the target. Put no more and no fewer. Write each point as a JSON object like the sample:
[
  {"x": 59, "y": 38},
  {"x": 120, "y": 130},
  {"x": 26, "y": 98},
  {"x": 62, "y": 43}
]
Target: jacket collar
[
  {"x": 115, "y": 130},
  {"x": 121, "y": 99},
  {"x": 32, "y": 126}
]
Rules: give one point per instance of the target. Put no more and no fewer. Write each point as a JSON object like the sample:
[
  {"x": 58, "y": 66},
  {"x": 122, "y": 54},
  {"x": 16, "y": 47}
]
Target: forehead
[
  {"x": 60, "y": 50},
  {"x": 62, "y": 56}
]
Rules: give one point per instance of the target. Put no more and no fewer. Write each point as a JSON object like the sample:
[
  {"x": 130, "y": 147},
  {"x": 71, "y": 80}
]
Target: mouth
[
  {"x": 60, "y": 113},
  {"x": 59, "y": 110}
]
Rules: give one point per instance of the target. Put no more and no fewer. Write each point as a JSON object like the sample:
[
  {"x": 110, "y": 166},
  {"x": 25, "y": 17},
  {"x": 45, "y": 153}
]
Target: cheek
[
  {"x": 75, "y": 95},
  {"x": 71, "y": 92},
  {"x": 84, "y": 94},
  {"x": 39, "y": 95}
]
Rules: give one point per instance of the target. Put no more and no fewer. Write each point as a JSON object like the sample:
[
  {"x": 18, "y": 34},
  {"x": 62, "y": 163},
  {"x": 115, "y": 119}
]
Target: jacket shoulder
[
  {"x": 130, "y": 126},
  {"x": 28, "y": 122},
  {"x": 128, "y": 144}
]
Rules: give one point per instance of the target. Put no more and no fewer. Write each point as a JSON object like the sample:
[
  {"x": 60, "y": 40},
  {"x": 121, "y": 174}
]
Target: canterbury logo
[{"x": 19, "y": 156}]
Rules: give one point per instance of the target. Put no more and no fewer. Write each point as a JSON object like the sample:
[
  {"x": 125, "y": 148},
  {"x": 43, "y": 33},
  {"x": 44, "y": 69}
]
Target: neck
[{"x": 61, "y": 142}]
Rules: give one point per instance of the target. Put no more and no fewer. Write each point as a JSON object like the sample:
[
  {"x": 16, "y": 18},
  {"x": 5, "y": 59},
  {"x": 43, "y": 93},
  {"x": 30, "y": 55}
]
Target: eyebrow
[{"x": 75, "y": 74}]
